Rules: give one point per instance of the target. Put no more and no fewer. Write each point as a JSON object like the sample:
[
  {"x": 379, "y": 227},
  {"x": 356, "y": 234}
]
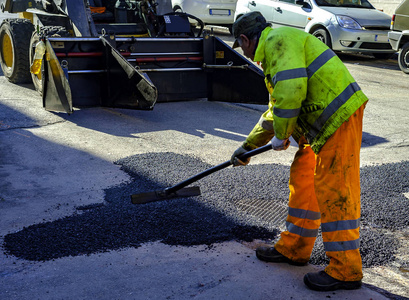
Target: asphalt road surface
[{"x": 69, "y": 231}]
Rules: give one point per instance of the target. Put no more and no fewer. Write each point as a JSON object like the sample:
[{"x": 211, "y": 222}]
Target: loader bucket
[
  {"x": 192, "y": 68},
  {"x": 110, "y": 59},
  {"x": 136, "y": 73},
  {"x": 96, "y": 74}
]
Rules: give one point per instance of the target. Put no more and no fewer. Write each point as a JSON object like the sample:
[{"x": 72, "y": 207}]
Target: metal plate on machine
[{"x": 219, "y": 54}]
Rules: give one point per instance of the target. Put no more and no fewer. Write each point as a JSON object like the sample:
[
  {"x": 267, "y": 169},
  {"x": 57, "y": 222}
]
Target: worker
[{"x": 314, "y": 99}]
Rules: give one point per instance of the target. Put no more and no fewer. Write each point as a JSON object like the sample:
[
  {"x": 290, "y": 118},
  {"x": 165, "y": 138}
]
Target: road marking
[{"x": 230, "y": 132}]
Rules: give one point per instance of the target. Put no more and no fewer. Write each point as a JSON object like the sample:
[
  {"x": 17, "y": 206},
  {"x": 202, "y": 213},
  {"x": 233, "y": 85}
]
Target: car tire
[
  {"x": 323, "y": 36},
  {"x": 230, "y": 27},
  {"x": 403, "y": 58},
  {"x": 14, "y": 49}
]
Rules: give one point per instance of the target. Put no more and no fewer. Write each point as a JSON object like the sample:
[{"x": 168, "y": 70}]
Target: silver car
[
  {"x": 344, "y": 25},
  {"x": 211, "y": 12}
]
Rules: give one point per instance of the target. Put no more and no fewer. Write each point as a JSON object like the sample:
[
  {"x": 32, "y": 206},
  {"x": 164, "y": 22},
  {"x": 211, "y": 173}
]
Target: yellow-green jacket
[{"x": 312, "y": 92}]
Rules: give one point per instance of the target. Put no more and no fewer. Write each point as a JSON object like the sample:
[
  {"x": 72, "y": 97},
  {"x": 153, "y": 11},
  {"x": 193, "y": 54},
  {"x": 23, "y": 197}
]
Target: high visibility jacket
[{"x": 312, "y": 92}]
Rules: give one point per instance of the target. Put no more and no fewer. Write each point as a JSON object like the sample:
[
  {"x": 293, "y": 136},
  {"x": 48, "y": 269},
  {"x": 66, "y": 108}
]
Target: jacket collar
[{"x": 260, "y": 53}]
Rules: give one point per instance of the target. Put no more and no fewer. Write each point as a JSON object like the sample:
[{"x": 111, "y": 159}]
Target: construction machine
[{"x": 121, "y": 53}]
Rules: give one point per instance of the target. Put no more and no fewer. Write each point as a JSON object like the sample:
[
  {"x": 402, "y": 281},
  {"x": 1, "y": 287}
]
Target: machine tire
[
  {"x": 403, "y": 58},
  {"x": 323, "y": 36},
  {"x": 45, "y": 31},
  {"x": 14, "y": 49},
  {"x": 54, "y": 31}
]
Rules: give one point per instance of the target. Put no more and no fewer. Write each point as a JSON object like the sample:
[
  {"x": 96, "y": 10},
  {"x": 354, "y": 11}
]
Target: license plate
[
  {"x": 220, "y": 12},
  {"x": 381, "y": 38}
]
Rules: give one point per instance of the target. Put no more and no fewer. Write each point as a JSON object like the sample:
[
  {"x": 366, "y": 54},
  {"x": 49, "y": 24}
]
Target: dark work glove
[{"x": 237, "y": 162}]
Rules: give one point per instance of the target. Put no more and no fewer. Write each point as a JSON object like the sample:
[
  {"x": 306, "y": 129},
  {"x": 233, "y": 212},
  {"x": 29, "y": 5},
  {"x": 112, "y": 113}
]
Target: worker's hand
[
  {"x": 237, "y": 162},
  {"x": 279, "y": 145}
]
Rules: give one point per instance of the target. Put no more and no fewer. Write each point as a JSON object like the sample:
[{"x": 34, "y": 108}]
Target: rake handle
[{"x": 221, "y": 166}]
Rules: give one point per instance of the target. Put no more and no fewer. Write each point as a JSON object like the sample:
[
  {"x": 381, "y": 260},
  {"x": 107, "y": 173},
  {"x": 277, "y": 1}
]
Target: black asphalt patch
[
  {"x": 210, "y": 218},
  {"x": 384, "y": 204},
  {"x": 119, "y": 224}
]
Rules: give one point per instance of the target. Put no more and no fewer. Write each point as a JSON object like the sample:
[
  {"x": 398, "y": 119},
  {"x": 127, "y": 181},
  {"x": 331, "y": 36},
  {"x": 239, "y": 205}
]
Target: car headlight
[{"x": 348, "y": 22}]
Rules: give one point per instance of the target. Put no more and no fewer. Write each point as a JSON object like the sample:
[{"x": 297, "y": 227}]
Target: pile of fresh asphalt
[{"x": 210, "y": 218}]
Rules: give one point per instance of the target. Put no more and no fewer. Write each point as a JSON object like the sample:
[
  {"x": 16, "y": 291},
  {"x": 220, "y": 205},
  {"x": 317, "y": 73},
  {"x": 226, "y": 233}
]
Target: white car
[
  {"x": 211, "y": 12},
  {"x": 344, "y": 25}
]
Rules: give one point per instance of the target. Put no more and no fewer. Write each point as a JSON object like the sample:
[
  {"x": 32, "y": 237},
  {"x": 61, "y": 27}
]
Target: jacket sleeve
[{"x": 263, "y": 132}]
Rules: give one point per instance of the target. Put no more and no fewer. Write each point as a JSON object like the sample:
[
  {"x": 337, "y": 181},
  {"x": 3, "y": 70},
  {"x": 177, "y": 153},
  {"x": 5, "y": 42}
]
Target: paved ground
[{"x": 56, "y": 168}]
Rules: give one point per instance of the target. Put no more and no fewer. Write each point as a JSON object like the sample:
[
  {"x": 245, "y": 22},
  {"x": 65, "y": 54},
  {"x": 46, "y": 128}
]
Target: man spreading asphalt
[{"x": 314, "y": 98}]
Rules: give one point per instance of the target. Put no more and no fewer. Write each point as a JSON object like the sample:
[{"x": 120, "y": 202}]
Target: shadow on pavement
[
  {"x": 369, "y": 140},
  {"x": 133, "y": 123},
  {"x": 206, "y": 118},
  {"x": 385, "y": 292},
  {"x": 369, "y": 61}
]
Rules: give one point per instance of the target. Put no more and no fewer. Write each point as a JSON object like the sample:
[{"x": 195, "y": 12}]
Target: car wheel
[
  {"x": 403, "y": 58},
  {"x": 14, "y": 46},
  {"x": 230, "y": 27},
  {"x": 323, "y": 36}
]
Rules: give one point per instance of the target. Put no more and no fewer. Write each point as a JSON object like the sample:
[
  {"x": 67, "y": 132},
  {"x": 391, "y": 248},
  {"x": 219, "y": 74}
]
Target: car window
[
  {"x": 306, "y": 4},
  {"x": 345, "y": 3}
]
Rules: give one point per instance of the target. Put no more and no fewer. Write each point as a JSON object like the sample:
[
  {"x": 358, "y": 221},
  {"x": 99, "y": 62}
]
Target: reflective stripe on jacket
[{"x": 312, "y": 92}]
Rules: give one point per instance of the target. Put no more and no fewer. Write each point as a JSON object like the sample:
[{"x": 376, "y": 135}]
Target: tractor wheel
[
  {"x": 35, "y": 38},
  {"x": 14, "y": 49}
]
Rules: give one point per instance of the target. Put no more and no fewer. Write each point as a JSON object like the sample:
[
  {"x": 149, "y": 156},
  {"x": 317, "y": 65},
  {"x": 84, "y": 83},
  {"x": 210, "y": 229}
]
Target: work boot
[
  {"x": 321, "y": 281},
  {"x": 270, "y": 254}
]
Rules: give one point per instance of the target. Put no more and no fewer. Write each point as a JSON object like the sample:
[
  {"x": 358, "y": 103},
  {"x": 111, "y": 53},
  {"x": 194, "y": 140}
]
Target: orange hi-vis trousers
[{"x": 325, "y": 191}]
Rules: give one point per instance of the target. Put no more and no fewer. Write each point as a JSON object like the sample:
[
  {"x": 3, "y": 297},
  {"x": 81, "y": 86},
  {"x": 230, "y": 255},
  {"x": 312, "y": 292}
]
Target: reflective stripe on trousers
[{"x": 325, "y": 190}]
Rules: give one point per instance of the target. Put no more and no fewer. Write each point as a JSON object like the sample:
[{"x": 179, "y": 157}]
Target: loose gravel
[{"x": 212, "y": 217}]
